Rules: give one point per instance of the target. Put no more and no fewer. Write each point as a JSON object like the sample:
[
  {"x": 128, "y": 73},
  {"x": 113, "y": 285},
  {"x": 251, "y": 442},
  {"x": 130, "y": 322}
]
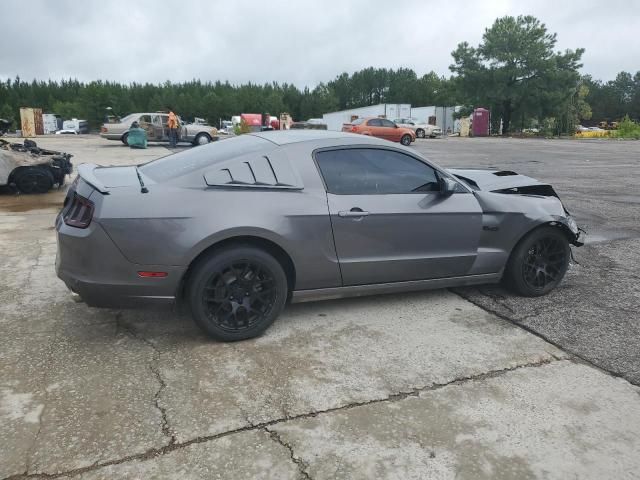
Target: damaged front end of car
[{"x": 528, "y": 198}]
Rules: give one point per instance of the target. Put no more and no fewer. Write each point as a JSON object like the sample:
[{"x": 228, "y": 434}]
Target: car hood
[{"x": 495, "y": 180}]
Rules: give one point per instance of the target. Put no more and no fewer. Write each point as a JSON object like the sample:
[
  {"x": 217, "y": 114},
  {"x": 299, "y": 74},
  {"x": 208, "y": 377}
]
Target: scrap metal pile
[{"x": 32, "y": 169}]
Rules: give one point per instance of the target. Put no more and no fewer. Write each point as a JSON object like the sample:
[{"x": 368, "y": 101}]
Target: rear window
[
  {"x": 357, "y": 121},
  {"x": 182, "y": 163},
  {"x": 130, "y": 118}
]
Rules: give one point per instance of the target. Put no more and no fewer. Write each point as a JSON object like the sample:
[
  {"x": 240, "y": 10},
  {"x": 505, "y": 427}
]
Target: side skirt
[{"x": 299, "y": 296}]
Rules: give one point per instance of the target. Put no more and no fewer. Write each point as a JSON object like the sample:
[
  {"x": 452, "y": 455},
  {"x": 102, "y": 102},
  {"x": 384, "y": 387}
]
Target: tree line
[{"x": 514, "y": 71}]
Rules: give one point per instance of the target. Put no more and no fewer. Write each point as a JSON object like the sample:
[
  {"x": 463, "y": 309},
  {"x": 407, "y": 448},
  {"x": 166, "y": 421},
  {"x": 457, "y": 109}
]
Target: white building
[{"x": 441, "y": 116}]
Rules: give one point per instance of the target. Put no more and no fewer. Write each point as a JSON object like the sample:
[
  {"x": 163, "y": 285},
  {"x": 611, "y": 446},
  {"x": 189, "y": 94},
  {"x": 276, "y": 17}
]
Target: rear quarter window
[{"x": 196, "y": 158}]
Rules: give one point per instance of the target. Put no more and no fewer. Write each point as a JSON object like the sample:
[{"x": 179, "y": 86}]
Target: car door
[
  {"x": 390, "y": 223},
  {"x": 158, "y": 128},
  {"x": 183, "y": 132},
  {"x": 374, "y": 128},
  {"x": 147, "y": 125},
  {"x": 390, "y": 130}
]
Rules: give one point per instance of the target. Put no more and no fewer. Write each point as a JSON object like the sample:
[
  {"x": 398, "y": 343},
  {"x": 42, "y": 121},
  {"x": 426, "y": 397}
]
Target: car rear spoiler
[{"x": 85, "y": 171}]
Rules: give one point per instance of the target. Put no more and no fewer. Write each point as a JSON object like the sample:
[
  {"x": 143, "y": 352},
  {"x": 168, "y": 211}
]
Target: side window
[
  {"x": 145, "y": 119},
  {"x": 388, "y": 123},
  {"x": 165, "y": 120},
  {"x": 370, "y": 171},
  {"x": 374, "y": 122},
  {"x": 155, "y": 119}
]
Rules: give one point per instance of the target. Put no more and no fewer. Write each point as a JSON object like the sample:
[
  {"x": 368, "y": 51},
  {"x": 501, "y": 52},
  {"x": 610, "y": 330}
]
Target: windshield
[{"x": 179, "y": 164}]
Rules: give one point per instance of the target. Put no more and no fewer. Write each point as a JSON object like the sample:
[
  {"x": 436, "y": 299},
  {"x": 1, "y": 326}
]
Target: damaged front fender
[{"x": 515, "y": 215}]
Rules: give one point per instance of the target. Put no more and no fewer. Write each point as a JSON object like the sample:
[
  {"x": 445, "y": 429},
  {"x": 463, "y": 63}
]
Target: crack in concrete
[
  {"x": 498, "y": 298},
  {"x": 301, "y": 464},
  {"x": 174, "y": 445},
  {"x": 45, "y": 376},
  {"x": 166, "y": 429}
]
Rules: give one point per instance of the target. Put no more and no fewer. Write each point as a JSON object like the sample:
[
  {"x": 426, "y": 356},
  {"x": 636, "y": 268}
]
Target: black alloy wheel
[
  {"x": 237, "y": 293},
  {"x": 34, "y": 180},
  {"x": 544, "y": 263},
  {"x": 539, "y": 262}
]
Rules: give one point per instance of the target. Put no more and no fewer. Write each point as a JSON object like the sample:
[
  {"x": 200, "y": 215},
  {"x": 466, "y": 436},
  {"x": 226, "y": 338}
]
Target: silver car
[
  {"x": 239, "y": 227},
  {"x": 155, "y": 124},
  {"x": 422, "y": 129}
]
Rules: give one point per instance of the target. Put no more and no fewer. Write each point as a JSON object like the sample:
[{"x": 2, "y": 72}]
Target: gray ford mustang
[{"x": 236, "y": 228}]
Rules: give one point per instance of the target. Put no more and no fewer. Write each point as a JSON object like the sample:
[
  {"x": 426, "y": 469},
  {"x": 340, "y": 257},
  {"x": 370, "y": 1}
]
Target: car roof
[{"x": 285, "y": 137}]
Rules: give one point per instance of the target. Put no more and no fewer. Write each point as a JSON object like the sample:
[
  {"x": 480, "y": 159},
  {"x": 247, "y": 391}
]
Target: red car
[{"x": 381, "y": 128}]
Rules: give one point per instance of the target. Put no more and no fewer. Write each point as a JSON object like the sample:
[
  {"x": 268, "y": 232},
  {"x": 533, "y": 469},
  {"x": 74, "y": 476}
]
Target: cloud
[{"x": 302, "y": 42}]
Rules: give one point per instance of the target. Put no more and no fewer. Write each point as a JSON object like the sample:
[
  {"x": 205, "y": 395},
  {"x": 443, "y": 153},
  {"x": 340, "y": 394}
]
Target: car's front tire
[
  {"x": 202, "y": 139},
  {"x": 406, "y": 140},
  {"x": 539, "y": 262},
  {"x": 237, "y": 292}
]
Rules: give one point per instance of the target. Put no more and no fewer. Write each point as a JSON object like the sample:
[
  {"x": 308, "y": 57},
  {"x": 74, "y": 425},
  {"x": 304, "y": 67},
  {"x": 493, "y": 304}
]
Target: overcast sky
[{"x": 296, "y": 41}]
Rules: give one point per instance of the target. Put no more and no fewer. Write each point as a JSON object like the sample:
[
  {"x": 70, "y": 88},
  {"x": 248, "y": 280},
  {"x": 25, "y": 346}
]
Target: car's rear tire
[
  {"x": 237, "y": 292},
  {"x": 33, "y": 180},
  {"x": 420, "y": 133},
  {"x": 125, "y": 139},
  {"x": 406, "y": 140},
  {"x": 538, "y": 262},
  {"x": 202, "y": 139}
]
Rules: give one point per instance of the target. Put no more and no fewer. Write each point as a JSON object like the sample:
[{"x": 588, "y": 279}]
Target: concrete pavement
[{"x": 595, "y": 312}]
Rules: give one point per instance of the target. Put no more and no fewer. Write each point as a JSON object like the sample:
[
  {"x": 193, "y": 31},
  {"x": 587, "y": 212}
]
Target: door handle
[{"x": 354, "y": 212}]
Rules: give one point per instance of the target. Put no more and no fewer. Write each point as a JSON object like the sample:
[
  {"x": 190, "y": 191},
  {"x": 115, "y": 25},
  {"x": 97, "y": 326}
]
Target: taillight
[
  {"x": 103, "y": 129},
  {"x": 354, "y": 129},
  {"x": 79, "y": 213}
]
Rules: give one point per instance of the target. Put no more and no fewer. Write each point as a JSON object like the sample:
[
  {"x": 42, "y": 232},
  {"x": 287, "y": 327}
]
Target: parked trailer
[
  {"x": 51, "y": 123},
  {"x": 80, "y": 126}
]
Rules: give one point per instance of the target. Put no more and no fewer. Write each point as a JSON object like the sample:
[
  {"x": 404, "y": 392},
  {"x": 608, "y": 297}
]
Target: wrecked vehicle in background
[{"x": 32, "y": 169}]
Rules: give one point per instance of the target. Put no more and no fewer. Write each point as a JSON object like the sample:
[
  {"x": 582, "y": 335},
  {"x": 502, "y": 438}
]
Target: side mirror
[{"x": 447, "y": 186}]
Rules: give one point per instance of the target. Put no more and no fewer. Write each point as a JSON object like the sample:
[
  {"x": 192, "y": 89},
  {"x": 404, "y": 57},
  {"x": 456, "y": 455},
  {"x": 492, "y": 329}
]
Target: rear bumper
[{"x": 91, "y": 265}]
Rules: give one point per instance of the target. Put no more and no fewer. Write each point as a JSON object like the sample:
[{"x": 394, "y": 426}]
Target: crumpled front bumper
[{"x": 580, "y": 238}]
